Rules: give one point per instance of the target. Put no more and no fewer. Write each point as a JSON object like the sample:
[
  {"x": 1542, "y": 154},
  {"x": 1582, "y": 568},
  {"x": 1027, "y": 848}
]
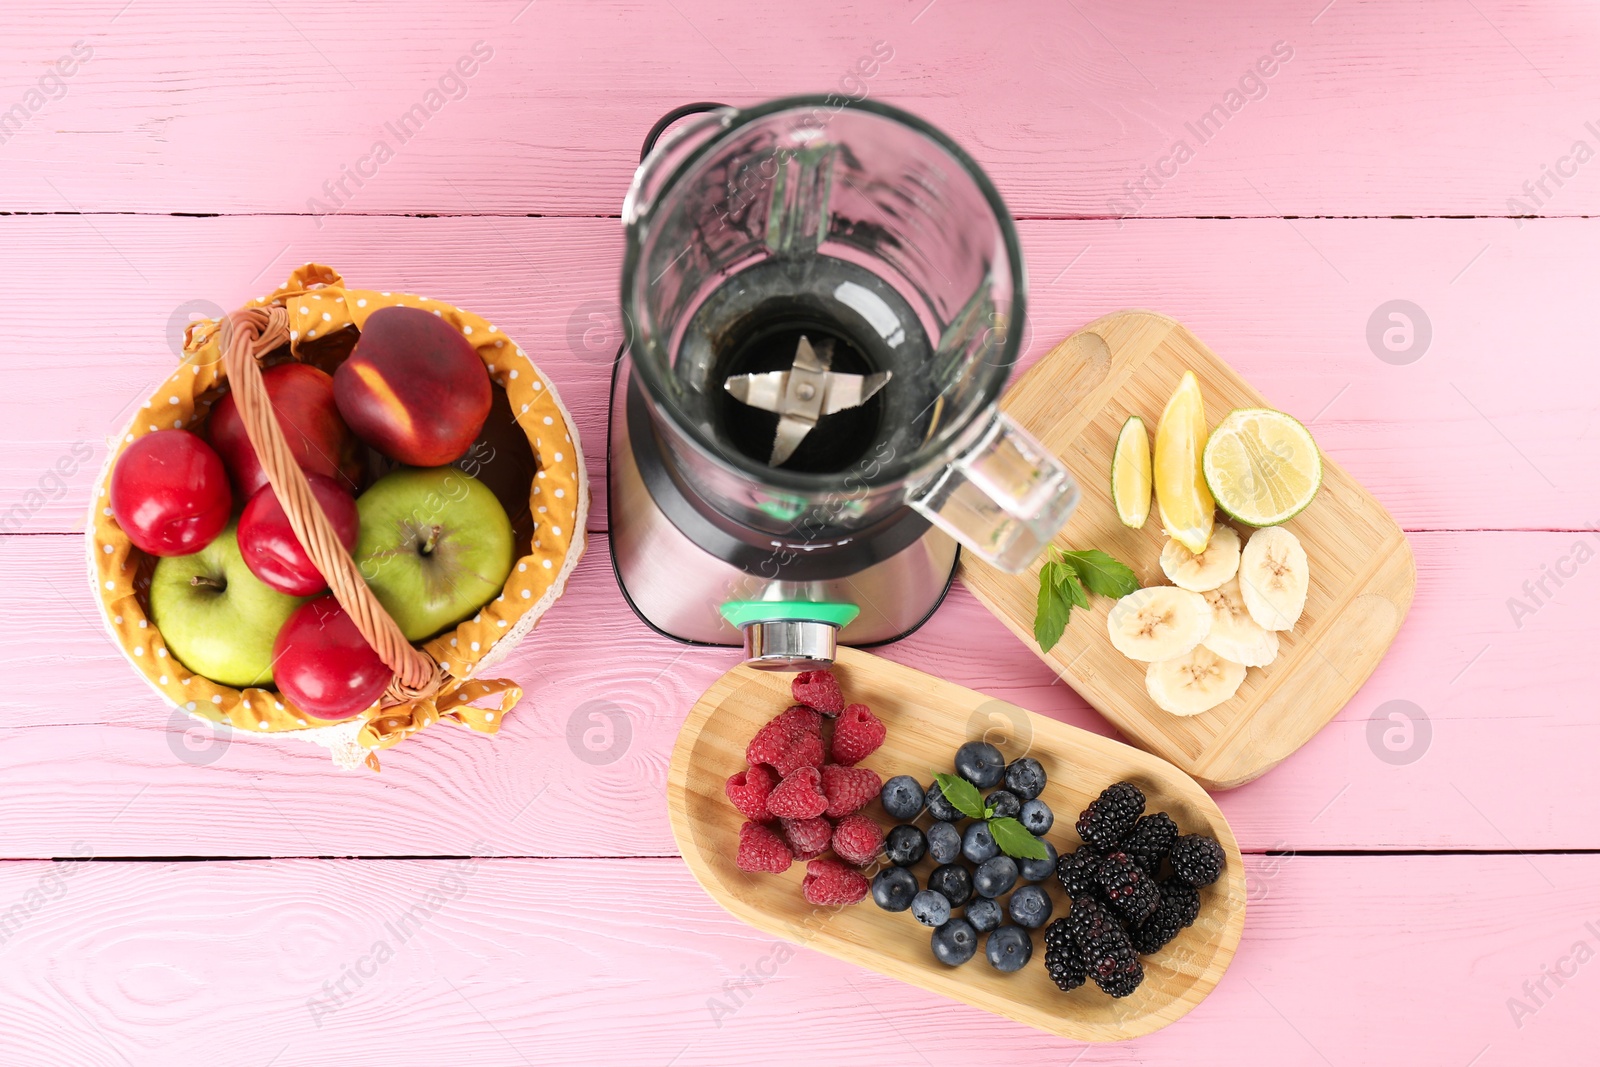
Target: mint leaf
[
  {"x": 1015, "y": 840},
  {"x": 1050, "y": 620},
  {"x": 1071, "y": 587},
  {"x": 1103, "y": 574},
  {"x": 963, "y": 795}
]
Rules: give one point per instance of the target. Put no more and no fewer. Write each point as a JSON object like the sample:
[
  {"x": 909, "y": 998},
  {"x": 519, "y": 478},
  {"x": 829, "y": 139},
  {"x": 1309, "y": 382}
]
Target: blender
[{"x": 822, "y": 303}]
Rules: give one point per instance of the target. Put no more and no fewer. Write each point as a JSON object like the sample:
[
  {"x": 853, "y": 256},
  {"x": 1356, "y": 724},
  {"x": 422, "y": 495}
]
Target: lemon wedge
[
  {"x": 1130, "y": 473},
  {"x": 1262, "y": 466},
  {"x": 1187, "y": 509}
]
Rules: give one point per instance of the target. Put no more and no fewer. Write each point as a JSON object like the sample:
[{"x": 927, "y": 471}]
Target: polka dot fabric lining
[{"x": 318, "y": 304}]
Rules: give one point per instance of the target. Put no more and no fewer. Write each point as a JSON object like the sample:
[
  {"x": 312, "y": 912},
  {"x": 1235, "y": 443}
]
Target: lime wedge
[
  {"x": 1130, "y": 473},
  {"x": 1187, "y": 510},
  {"x": 1262, "y": 466}
]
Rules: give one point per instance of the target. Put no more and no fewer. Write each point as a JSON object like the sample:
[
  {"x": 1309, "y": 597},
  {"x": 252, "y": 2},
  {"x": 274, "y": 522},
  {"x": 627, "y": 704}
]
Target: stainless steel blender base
[{"x": 678, "y": 588}]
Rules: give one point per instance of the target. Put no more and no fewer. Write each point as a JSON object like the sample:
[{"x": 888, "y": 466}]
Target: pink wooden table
[{"x": 1425, "y": 889}]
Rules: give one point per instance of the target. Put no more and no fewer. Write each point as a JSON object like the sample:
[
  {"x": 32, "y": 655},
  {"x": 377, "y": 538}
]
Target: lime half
[
  {"x": 1130, "y": 473},
  {"x": 1262, "y": 466}
]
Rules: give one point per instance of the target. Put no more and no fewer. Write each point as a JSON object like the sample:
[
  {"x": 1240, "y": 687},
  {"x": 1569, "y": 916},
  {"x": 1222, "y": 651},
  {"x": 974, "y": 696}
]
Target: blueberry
[
  {"x": 984, "y": 914},
  {"x": 1039, "y": 870},
  {"x": 902, "y": 797},
  {"x": 955, "y": 942},
  {"x": 944, "y": 842},
  {"x": 1005, "y": 804},
  {"x": 906, "y": 845},
  {"x": 893, "y": 889},
  {"x": 1026, "y": 778},
  {"x": 1008, "y": 948},
  {"x": 930, "y": 908},
  {"x": 977, "y": 844},
  {"x": 1037, "y": 817},
  {"x": 938, "y": 806},
  {"x": 995, "y": 876},
  {"x": 953, "y": 882},
  {"x": 1030, "y": 906},
  {"x": 980, "y": 763}
]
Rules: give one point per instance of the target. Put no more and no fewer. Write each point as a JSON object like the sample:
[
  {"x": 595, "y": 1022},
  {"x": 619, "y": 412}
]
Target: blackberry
[
  {"x": 902, "y": 797},
  {"x": 953, "y": 882},
  {"x": 1108, "y": 818},
  {"x": 1075, "y": 870},
  {"x": 980, "y": 763},
  {"x": 1004, "y": 803},
  {"x": 1026, "y": 778},
  {"x": 1196, "y": 860},
  {"x": 1127, "y": 887},
  {"x": 905, "y": 845},
  {"x": 1180, "y": 906},
  {"x": 1063, "y": 960},
  {"x": 1107, "y": 952},
  {"x": 1150, "y": 840},
  {"x": 938, "y": 806}
]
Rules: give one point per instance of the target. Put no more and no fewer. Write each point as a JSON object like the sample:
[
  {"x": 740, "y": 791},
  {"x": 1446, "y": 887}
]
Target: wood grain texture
[
  {"x": 1362, "y": 575},
  {"x": 927, "y": 720},
  {"x": 1383, "y": 109},
  {"x": 72, "y": 712},
  {"x": 1485, "y": 430},
  {"x": 555, "y": 962}
]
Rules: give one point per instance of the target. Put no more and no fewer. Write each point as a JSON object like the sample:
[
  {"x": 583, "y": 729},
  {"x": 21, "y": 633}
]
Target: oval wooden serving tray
[
  {"x": 928, "y": 719},
  {"x": 1075, "y": 400}
]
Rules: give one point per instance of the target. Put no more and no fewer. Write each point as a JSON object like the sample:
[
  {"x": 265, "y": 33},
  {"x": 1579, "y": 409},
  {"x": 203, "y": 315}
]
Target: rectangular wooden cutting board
[
  {"x": 1075, "y": 401},
  {"x": 927, "y": 719}
]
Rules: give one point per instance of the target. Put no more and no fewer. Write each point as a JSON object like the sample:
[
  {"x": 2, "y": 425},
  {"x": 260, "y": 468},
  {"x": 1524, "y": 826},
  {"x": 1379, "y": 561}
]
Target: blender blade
[{"x": 803, "y": 394}]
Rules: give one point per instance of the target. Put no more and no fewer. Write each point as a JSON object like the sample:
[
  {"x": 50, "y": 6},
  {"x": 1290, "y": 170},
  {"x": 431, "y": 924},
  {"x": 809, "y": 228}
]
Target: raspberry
[
  {"x": 848, "y": 789},
  {"x": 857, "y": 839},
  {"x": 819, "y": 690},
  {"x": 748, "y": 790},
  {"x": 831, "y": 882},
  {"x": 856, "y": 735},
  {"x": 808, "y": 838},
  {"x": 798, "y": 796},
  {"x": 793, "y": 739},
  {"x": 762, "y": 850}
]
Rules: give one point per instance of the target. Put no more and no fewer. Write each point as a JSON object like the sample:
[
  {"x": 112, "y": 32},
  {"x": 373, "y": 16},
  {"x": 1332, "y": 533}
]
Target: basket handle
[{"x": 247, "y": 335}]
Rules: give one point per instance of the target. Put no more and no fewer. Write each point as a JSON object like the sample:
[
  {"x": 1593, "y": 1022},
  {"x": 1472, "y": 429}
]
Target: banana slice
[
  {"x": 1234, "y": 634},
  {"x": 1210, "y": 569},
  {"x": 1193, "y": 683},
  {"x": 1158, "y": 622},
  {"x": 1273, "y": 575}
]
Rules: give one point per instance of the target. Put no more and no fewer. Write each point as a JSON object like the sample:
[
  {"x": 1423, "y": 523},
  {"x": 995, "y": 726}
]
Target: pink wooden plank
[
  {"x": 85, "y": 742},
  {"x": 1478, "y": 432},
  {"x": 1383, "y": 109},
  {"x": 610, "y": 961}
]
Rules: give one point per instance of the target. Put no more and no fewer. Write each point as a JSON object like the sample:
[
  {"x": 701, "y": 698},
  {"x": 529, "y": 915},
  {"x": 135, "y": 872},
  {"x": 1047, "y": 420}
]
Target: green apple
[
  {"x": 435, "y": 546},
  {"x": 218, "y": 618}
]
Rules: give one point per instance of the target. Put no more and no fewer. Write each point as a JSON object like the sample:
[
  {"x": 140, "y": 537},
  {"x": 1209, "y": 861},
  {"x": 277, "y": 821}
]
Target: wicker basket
[{"x": 315, "y": 318}]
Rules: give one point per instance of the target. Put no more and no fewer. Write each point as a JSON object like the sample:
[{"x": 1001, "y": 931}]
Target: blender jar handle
[
  {"x": 663, "y": 148},
  {"x": 1003, "y": 499}
]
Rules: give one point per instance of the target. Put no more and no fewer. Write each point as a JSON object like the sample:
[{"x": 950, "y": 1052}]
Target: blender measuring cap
[{"x": 803, "y": 394}]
